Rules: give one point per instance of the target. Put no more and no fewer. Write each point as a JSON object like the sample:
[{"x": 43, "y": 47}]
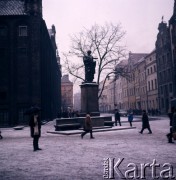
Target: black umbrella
[{"x": 32, "y": 110}]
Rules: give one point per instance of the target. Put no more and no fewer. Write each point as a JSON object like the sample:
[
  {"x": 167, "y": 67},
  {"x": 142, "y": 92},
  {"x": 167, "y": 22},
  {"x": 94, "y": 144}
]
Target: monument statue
[{"x": 90, "y": 65}]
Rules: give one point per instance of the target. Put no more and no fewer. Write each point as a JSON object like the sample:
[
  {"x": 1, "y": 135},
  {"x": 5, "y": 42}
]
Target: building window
[
  {"x": 22, "y": 51},
  {"x": 165, "y": 75},
  {"x": 22, "y": 30},
  {"x": 154, "y": 68},
  {"x": 163, "y": 58},
  {"x": 161, "y": 88},
  {"x": 4, "y": 117},
  {"x": 169, "y": 73},
  {"x": 21, "y": 118},
  {"x": 3, "y": 95},
  {"x": 152, "y": 85},
  {"x": 167, "y": 57},
  {"x": 162, "y": 102},
  {"x": 149, "y": 85},
  {"x": 2, "y": 53},
  {"x": 170, "y": 88},
  {"x": 3, "y": 31},
  {"x": 151, "y": 70},
  {"x": 155, "y": 84},
  {"x": 166, "y": 90},
  {"x": 161, "y": 77}
]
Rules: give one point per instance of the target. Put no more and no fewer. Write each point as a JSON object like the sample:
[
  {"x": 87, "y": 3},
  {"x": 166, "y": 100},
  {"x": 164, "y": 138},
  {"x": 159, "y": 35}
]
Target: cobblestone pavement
[{"x": 70, "y": 157}]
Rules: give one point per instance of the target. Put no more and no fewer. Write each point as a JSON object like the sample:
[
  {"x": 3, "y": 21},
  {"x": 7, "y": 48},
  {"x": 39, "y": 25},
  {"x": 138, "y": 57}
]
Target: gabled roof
[{"x": 12, "y": 7}]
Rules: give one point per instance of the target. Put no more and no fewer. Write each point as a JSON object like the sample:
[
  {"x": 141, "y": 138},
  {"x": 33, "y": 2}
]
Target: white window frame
[{"x": 23, "y": 31}]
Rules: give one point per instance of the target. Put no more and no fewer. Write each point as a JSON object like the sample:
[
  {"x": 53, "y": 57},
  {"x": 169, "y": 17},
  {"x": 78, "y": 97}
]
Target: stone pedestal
[{"x": 89, "y": 99}]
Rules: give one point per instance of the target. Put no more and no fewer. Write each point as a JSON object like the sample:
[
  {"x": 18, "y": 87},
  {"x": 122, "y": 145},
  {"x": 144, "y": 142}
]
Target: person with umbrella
[{"x": 35, "y": 126}]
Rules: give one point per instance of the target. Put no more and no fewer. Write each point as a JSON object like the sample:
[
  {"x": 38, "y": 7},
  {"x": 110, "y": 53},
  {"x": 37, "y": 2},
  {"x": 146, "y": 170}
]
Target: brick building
[
  {"x": 67, "y": 93},
  {"x": 29, "y": 72}
]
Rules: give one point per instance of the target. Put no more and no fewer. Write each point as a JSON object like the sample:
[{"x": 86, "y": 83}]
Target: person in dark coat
[
  {"x": 117, "y": 117},
  {"x": 0, "y": 135},
  {"x": 35, "y": 128},
  {"x": 130, "y": 118},
  {"x": 169, "y": 135},
  {"x": 145, "y": 123},
  {"x": 174, "y": 121},
  {"x": 87, "y": 126}
]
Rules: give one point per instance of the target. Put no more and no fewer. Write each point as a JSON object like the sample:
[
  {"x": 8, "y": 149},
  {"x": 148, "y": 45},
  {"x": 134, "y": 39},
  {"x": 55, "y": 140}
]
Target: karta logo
[{"x": 114, "y": 169}]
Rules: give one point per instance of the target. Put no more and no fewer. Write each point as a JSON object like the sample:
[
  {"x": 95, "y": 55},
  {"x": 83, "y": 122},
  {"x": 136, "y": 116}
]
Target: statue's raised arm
[{"x": 90, "y": 65}]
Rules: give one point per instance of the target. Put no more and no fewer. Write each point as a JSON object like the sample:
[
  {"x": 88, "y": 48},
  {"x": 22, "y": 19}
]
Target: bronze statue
[{"x": 90, "y": 65}]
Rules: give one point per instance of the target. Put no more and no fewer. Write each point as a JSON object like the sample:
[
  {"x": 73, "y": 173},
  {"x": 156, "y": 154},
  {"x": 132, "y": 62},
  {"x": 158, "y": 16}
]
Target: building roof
[
  {"x": 12, "y": 7},
  {"x": 65, "y": 79},
  {"x": 135, "y": 57},
  {"x": 122, "y": 63}
]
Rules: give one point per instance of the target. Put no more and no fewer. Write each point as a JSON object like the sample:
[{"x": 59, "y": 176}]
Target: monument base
[
  {"x": 91, "y": 114},
  {"x": 89, "y": 99},
  {"x": 78, "y": 122}
]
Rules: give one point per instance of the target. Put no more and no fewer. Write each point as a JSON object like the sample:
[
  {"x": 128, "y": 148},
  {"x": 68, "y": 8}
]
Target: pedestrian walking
[
  {"x": 87, "y": 126},
  {"x": 35, "y": 127},
  {"x": 169, "y": 135},
  {"x": 130, "y": 118},
  {"x": 174, "y": 123},
  {"x": 145, "y": 123},
  {"x": 0, "y": 135},
  {"x": 117, "y": 117}
]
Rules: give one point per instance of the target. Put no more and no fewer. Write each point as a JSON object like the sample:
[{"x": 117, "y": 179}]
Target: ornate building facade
[{"x": 165, "y": 58}]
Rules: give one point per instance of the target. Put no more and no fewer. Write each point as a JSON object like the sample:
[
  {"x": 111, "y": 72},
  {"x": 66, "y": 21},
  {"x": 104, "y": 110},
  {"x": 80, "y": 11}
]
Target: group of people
[
  {"x": 68, "y": 114},
  {"x": 145, "y": 120},
  {"x": 118, "y": 120},
  {"x": 35, "y": 125}
]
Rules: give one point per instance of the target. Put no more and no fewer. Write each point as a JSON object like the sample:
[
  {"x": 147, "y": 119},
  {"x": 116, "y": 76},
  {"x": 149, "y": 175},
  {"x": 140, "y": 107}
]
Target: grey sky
[{"x": 139, "y": 18}]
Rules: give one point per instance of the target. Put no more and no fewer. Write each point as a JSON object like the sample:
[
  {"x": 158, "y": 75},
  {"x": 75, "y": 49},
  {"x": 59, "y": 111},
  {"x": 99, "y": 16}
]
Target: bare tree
[{"x": 105, "y": 42}]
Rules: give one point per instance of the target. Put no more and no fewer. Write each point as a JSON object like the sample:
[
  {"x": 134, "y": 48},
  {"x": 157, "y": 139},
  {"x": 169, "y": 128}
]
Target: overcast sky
[{"x": 139, "y": 18}]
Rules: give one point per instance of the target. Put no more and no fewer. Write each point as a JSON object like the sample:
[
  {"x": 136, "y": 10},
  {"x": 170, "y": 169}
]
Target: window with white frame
[{"x": 22, "y": 30}]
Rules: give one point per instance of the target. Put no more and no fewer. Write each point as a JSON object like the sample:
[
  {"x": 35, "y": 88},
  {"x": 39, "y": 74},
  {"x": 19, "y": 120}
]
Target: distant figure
[
  {"x": 117, "y": 117},
  {"x": 0, "y": 135},
  {"x": 174, "y": 122},
  {"x": 145, "y": 123},
  {"x": 169, "y": 135},
  {"x": 77, "y": 114},
  {"x": 130, "y": 118},
  {"x": 35, "y": 127},
  {"x": 87, "y": 126},
  {"x": 90, "y": 65}
]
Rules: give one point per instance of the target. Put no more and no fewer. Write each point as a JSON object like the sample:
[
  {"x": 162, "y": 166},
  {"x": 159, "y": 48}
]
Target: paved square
[{"x": 70, "y": 157}]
